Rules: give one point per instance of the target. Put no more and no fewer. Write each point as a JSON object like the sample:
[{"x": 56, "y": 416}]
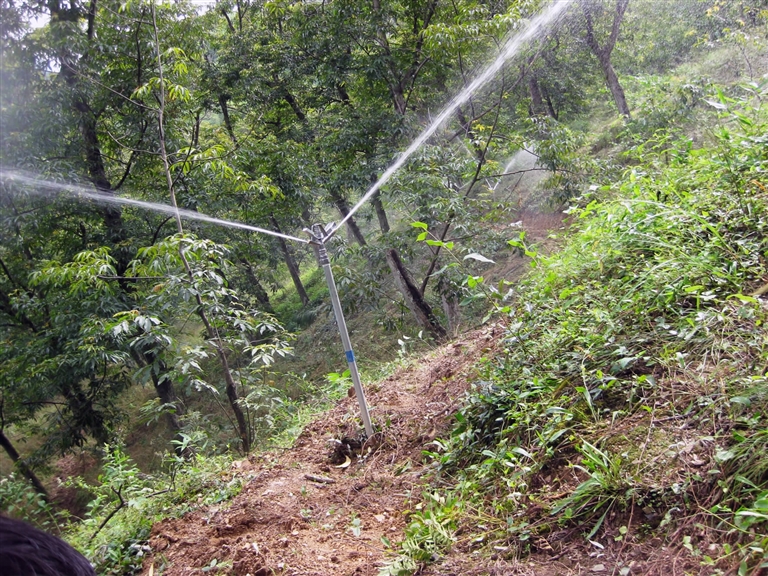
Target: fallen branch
[{"x": 319, "y": 479}]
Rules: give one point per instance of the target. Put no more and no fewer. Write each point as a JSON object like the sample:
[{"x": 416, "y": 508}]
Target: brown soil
[
  {"x": 73, "y": 500},
  {"x": 309, "y": 510}
]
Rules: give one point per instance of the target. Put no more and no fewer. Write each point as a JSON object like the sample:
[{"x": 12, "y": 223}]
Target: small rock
[{"x": 598, "y": 568}]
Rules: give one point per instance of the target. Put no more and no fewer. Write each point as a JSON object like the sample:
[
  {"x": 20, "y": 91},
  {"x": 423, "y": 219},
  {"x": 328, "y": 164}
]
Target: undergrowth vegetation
[
  {"x": 630, "y": 397},
  {"x": 124, "y": 502}
]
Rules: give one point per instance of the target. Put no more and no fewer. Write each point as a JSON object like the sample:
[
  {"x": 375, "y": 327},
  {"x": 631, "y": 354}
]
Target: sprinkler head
[{"x": 330, "y": 230}]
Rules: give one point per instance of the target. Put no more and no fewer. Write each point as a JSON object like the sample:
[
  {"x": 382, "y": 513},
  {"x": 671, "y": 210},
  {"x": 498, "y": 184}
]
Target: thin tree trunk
[
  {"x": 232, "y": 396},
  {"x": 435, "y": 255},
  {"x": 294, "y": 104},
  {"x": 352, "y": 226},
  {"x": 470, "y": 135},
  {"x": 603, "y": 53},
  {"x": 22, "y": 466},
  {"x": 258, "y": 290},
  {"x": 614, "y": 86},
  {"x": 421, "y": 310},
  {"x": 167, "y": 395},
  {"x": 293, "y": 268},
  {"x": 381, "y": 214},
  {"x": 450, "y": 306},
  {"x": 225, "y": 113},
  {"x": 213, "y": 336},
  {"x": 163, "y": 387},
  {"x": 452, "y": 313},
  {"x": 94, "y": 162},
  {"x": 550, "y": 107},
  {"x": 537, "y": 102}
]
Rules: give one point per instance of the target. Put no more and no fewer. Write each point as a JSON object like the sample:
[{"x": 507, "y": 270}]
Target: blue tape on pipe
[{"x": 350, "y": 356}]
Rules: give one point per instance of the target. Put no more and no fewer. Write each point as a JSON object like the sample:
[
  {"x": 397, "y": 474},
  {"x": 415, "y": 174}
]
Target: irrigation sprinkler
[{"x": 318, "y": 234}]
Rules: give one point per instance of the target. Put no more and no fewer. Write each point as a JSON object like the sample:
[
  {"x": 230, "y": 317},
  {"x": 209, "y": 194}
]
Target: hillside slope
[{"x": 304, "y": 511}]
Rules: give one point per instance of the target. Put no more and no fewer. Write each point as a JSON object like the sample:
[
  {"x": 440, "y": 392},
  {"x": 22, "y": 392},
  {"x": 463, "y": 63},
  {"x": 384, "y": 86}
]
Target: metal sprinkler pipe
[{"x": 318, "y": 235}]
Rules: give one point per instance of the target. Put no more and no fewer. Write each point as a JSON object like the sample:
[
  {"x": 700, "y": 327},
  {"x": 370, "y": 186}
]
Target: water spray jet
[
  {"x": 41, "y": 186},
  {"x": 511, "y": 46}
]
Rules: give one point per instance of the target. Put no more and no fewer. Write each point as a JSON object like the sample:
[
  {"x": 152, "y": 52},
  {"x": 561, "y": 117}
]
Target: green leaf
[
  {"x": 521, "y": 452},
  {"x": 744, "y": 298}
]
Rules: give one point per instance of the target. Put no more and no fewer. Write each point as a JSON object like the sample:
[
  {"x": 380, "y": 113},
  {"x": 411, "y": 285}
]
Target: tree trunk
[
  {"x": 470, "y": 135},
  {"x": 294, "y": 104},
  {"x": 293, "y": 268},
  {"x": 22, "y": 466},
  {"x": 258, "y": 290},
  {"x": 614, "y": 86},
  {"x": 163, "y": 387},
  {"x": 213, "y": 335},
  {"x": 452, "y": 312},
  {"x": 94, "y": 161},
  {"x": 550, "y": 107},
  {"x": 223, "y": 98},
  {"x": 413, "y": 299},
  {"x": 381, "y": 214},
  {"x": 352, "y": 226},
  {"x": 537, "y": 102},
  {"x": 167, "y": 395},
  {"x": 231, "y": 389},
  {"x": 229, "y": 381},
  {"x": 97, "y": 174},
  {"x": 603, "y": 53}
]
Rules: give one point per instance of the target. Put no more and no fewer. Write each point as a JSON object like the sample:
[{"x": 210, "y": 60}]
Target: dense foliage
[{"x": 650, "y": 315}]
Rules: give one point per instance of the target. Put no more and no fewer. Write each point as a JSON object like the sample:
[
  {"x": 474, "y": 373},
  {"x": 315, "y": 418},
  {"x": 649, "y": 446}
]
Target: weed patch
[{"x": 651, "y": 313}]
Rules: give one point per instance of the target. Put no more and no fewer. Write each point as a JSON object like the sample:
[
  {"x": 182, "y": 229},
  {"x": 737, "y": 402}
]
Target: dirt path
[{"x": 310, "y": 510}]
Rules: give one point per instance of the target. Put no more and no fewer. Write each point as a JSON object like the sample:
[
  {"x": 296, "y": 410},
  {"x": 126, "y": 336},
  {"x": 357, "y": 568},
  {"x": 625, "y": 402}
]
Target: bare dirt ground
[{"x": 312, "y": 511}]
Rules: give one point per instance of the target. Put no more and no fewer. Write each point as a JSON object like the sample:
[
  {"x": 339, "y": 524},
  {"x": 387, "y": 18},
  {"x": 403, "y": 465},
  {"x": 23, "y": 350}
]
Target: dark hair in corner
[{"x": 27, "y": 551}]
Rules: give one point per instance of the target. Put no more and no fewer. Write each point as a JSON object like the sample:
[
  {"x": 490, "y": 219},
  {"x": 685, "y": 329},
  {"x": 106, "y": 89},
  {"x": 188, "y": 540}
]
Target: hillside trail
[{"x": 327, "y": 505}]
